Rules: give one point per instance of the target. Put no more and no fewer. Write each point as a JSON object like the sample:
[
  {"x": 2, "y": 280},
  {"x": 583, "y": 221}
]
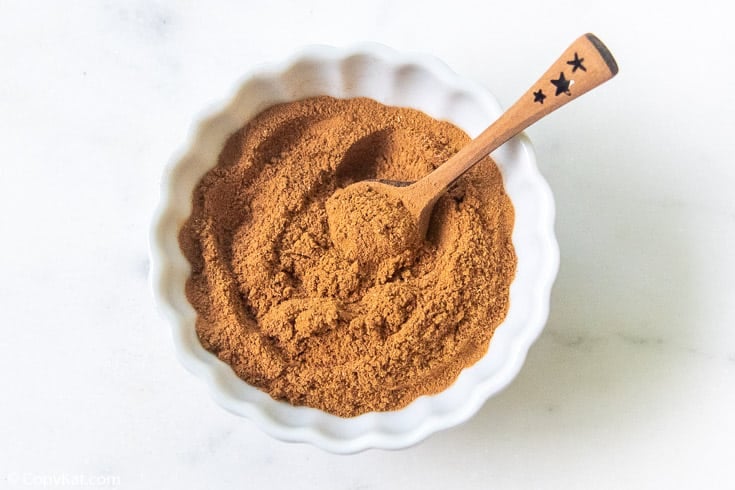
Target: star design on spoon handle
[
  {"x": 539, "y": 96},
  {"x": 562, "y": 85},
  {"x": 576, "y": 63}
]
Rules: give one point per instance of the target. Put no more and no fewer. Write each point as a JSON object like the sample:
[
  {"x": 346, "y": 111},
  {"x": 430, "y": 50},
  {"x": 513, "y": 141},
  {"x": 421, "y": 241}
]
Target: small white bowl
[{"x": 393, "y": 78}]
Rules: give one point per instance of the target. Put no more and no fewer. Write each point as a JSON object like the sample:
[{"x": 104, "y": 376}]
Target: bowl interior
[{"x": 414, "y": 81}]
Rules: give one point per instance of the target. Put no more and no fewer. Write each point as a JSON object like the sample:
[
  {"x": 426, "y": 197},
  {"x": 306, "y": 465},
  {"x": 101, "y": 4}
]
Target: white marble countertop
[{"x": 631, "y": 385}]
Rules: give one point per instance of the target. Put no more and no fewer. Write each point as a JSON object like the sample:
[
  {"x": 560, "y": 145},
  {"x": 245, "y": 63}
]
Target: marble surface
[{"x": 631, "y": 385}]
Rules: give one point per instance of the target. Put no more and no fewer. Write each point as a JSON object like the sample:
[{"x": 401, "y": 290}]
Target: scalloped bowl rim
[{"x": 530, "y": 291}]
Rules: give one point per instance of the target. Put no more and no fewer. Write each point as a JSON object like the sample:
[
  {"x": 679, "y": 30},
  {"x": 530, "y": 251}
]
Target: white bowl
[{"x": 393, "y": 78}]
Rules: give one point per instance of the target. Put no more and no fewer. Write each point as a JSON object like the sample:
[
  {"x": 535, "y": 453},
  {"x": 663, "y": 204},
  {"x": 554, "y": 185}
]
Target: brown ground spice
[
  {"x": 346, "y": 329},
  {"x": 371, "y": 228}
]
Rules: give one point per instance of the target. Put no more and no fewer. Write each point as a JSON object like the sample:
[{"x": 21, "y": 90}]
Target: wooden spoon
[{"x": 583, "y": 66}]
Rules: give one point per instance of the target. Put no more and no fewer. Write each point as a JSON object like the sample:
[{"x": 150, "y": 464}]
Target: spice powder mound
[{"x": 309, "y": 315}]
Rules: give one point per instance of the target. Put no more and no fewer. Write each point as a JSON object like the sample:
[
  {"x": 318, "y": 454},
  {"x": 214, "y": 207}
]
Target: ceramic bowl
[{"x": 393, "y": 78}]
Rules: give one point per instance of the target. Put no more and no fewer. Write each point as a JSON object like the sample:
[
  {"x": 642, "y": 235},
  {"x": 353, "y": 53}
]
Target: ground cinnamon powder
[
  {"x": 371, "y": 228},
  {"x": 355, "y": 327}
]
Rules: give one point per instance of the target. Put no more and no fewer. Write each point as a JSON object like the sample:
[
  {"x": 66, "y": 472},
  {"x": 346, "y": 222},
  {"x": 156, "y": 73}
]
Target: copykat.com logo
[{"x": 51, "y": 480}]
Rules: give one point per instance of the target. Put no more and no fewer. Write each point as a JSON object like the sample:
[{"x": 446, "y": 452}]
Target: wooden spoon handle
[{"x": 583, "y": 66}]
